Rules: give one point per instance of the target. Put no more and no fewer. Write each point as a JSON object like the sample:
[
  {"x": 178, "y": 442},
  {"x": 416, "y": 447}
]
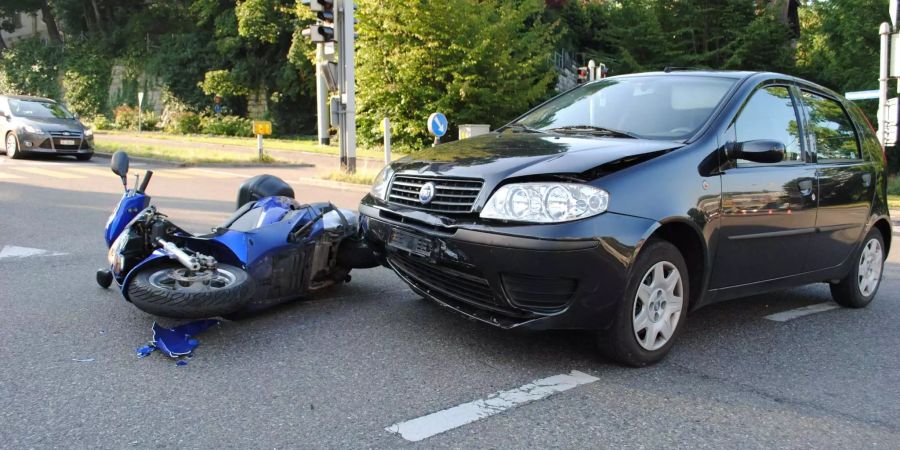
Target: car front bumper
[
  {"x": 512, "y": 277},
  {"x": 47, "y": 143}
]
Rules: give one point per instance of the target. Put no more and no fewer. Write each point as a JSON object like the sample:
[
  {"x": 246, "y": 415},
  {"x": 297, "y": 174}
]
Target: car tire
[
  {"x": 84, "y": 157},
  {"x": 860, "y": 286},
  {"x": 12, "y": 146},
  {"x": 654, "y": 304},
  {"x": 151, "y": 292}
]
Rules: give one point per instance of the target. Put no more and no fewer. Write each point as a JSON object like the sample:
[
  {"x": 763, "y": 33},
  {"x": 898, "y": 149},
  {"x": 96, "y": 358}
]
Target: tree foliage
[{"x": 479, "y": 61}]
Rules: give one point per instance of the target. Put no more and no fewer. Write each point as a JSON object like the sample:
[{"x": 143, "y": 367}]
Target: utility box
[{"x": 472, "y": 130}]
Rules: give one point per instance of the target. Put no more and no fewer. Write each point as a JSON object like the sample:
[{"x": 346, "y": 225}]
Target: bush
[
  {"x": 31, "y": 67},
  {"x": 126, "y": 117},
  {"x": 183, "y": 123},
  {"x": 86, "y": 78},
  {"x": 226, "y": 126},
  {"x": 100, "y": 122},
  {"x": 149, "y": 120},
  {"x": 894, "y": 185}
]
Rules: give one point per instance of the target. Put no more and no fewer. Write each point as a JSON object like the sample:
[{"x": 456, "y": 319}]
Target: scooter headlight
[{"x": 115, "y": 255}]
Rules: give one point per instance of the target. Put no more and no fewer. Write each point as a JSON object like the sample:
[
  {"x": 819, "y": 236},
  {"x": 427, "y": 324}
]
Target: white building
[{"x": 28, "y": 25}]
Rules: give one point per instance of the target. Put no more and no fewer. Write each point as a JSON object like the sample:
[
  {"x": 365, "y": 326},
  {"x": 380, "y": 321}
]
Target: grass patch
[
  {"x": 365, "y": 177},
  {"x": 182, "y": 155},
  {"x": 307, "y": 144},
  {"x": 894, "y": 201}
]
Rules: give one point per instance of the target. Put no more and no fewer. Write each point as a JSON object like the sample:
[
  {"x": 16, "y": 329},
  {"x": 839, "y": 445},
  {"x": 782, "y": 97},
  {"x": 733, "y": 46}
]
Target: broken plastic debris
[
  {"x": 181, "y": 362},
  {"x": 176, "y": 342},
  {"x": 83, "y": 359}
]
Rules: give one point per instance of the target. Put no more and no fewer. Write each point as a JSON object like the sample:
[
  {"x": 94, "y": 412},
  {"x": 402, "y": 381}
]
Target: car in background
[
  {"x": 33, "y": 125},
  {"x": 624, "y": 204}
]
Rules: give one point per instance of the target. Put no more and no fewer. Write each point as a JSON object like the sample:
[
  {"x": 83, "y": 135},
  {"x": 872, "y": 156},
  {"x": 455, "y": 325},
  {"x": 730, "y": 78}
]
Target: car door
[
  {"x": 768, "y": 211},
  {"x": 846, "y": 180}
]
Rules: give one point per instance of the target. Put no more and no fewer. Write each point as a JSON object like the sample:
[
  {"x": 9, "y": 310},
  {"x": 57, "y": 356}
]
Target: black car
[
  {"x": 623, "y": 204},
  {"x": 41, "y": 125}
]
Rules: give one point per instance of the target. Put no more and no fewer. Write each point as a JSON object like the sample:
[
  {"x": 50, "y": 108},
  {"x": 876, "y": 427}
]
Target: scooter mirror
[{"x": 119, "y": 164}]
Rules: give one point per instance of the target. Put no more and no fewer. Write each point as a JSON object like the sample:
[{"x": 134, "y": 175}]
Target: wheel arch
[
  {"x": 884, "y": 226},
  {"x": 686, "y": 236}
]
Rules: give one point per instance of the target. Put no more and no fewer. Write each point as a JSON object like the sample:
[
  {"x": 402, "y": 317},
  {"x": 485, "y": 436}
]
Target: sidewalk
[{"x": 323, "y": 163}]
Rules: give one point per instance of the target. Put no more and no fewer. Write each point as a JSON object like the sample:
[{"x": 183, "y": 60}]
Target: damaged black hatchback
[{"x": 623, "y": 204}]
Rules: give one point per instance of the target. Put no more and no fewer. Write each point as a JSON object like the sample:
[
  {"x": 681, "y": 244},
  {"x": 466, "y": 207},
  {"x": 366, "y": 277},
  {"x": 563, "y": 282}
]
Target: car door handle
[{"x": 806, "y": 187}]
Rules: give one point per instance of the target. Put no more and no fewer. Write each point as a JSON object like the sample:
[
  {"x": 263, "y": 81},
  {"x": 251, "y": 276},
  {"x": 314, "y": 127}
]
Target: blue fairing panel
[{"x": 129, "y": 207}]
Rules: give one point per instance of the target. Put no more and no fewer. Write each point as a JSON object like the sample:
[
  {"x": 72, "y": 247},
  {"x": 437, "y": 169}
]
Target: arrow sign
[{"x": 438, "y": 124}]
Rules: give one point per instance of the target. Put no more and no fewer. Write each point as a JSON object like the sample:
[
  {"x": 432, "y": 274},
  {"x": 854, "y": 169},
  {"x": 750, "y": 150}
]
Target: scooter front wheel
[{"x": 170, "y": 290}]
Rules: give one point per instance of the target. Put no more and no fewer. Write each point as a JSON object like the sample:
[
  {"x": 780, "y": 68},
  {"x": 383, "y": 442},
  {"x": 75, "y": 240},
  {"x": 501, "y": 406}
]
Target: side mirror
[
  {"x": 119, "y": 164},
  {"x": 759, "y": 151}
]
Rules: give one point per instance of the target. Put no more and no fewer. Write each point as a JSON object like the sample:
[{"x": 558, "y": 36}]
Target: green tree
[{"x": 477, "y": 61}]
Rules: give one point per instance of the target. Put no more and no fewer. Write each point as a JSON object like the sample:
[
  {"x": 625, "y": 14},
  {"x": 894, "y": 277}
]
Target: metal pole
[
  {"x": 321, "y": 95},
  {"x": 348, "y": 49},
  {"x": 386, "y": 125},
  {"x": 592, "y": 70},
  {"x": 259, "y": 146},
  {"x": 341, "y": 122},
  {"x": 883, "y": 118}
]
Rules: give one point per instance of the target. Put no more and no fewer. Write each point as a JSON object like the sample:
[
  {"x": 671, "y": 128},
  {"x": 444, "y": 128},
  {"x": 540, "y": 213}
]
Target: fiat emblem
[{"x": 426, "y": 193}]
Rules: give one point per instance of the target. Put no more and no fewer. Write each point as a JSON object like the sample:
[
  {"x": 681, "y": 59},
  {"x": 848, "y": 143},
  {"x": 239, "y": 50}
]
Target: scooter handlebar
[{"x": 146, "y": 181}]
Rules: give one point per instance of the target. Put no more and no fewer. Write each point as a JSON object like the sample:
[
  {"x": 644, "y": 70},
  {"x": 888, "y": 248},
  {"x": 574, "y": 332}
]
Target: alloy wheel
[
  {"x": 11, "y": 145},
  {"x": 183, "y": 280},
  {"x": 870, "y": 263},
  {"x": 657, "y": 306}
]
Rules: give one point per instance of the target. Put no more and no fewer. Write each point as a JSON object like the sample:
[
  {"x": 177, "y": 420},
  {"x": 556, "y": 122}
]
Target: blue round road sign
[{"x": 438, "y": 124}]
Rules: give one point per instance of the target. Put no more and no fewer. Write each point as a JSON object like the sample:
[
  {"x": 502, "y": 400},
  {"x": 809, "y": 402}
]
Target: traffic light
[
  {"x": 319, "y": 5},
  {"x": 324, "y": 30},
  {"x": 319, "y": 33}
]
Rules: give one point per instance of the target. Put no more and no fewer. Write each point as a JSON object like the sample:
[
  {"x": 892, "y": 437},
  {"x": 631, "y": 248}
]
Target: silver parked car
[{"x": 41, "y": 125}]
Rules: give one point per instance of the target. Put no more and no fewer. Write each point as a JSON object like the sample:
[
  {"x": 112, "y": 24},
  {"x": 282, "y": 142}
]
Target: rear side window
[
  {"x": 770, "y": 115},
  {"x": 833, "y": 134}
]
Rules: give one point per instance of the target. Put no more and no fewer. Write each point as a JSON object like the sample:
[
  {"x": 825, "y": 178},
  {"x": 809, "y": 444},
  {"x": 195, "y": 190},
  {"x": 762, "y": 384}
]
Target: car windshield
[
  {"x": 664, "y": 107},
  {"x": 38, "y": 109}
]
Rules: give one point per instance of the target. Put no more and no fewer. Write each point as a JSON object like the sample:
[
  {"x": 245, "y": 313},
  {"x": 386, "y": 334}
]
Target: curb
[
  {"x": 215, "y": 165},
  {"x": 335, "y": 184}
]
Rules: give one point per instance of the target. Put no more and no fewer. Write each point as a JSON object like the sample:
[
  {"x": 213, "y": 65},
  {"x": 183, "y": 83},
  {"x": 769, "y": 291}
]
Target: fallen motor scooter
[{"x": 271, "y": 250}]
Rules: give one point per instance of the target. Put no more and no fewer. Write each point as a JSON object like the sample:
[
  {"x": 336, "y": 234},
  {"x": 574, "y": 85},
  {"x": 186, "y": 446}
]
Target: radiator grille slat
[{"x": 450, "y": 196}]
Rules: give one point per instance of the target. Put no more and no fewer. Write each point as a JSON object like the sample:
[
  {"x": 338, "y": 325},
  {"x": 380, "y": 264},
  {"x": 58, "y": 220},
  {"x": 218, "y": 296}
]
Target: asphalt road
[{"x": 335, "y": 371}]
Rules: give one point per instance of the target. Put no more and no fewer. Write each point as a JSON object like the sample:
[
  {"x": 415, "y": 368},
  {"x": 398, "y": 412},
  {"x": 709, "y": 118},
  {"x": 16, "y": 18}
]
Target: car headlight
[
  {"x": 33, "y": 129},
  {"x": 545, "y": 202},
  {"x": 88, "y": 132},
  {"x": 382, "y": 180}
]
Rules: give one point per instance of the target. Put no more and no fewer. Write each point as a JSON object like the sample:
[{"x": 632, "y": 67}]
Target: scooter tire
[{"x": 152, "y": 296}]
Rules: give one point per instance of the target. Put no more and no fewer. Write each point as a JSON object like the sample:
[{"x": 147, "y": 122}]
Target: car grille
[
  {"x": 443, "y": 281},
  {"x": 451, "y": 195}
]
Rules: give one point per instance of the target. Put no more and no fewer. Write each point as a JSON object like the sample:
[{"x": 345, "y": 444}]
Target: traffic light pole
[
  {"x": 344, "y": 29},
  {"x": 321, "y": 95}
]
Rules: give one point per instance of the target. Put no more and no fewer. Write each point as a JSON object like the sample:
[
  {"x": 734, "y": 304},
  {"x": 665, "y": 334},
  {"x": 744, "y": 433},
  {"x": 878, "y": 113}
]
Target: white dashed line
[
  {"x": 426, "y": 426},
  {"x": 792, "y": 314},
  {"x": 11, "y": 251}
]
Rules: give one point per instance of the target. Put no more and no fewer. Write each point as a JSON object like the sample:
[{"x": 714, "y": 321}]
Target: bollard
[
  {"x": 259, "y": 145},
  {"x": 386, "y": 126}
]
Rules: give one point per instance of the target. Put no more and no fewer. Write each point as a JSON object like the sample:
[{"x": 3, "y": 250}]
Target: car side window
[
  {"x": 770, "y": 115},
  {"x": 833, "y": 135}
]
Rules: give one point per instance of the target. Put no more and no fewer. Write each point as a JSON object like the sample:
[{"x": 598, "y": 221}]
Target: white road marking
[
  {"x": 208, "y": 173},
  {"x": 426, "y": 426},
  {"x": 792, "y": 314},
  {"x": 11, "y": 251}
]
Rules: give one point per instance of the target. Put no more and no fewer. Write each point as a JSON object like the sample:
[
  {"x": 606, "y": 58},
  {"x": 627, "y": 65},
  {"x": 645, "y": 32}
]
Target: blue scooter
[{"x": 272, "y": 249}]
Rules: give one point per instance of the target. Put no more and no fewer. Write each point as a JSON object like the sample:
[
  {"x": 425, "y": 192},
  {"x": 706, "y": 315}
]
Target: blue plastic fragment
[
  {"x": 145, "y": 350},
  {"x": 180, "y": 341},
  {"x": 181, "y": 362}
]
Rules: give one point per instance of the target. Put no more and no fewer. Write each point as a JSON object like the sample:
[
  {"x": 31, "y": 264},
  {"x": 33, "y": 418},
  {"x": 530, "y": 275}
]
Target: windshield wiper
[
  {"x": 590, "y": 129},
  {"x": 525, "y": 128}
]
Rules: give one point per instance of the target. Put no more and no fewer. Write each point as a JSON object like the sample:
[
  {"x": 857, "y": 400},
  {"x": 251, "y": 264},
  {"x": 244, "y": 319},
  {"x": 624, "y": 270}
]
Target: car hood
[
  {"x": 498, "y": 156},
  {"x": 51, "y": 124}
]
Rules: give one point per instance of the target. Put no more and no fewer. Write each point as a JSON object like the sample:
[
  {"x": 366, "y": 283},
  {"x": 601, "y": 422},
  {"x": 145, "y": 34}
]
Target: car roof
[
  {"x": 737, "y": 75},
  {"x": 30, "y": 98}
]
